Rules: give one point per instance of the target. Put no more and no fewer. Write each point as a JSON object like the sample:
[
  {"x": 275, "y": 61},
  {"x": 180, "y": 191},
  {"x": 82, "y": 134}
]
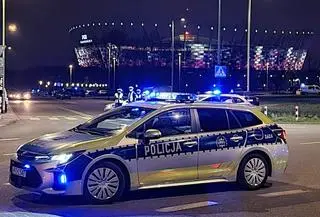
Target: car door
[
  {"x": 220, "y": 142},
  {"x": 172, "y": 158}
]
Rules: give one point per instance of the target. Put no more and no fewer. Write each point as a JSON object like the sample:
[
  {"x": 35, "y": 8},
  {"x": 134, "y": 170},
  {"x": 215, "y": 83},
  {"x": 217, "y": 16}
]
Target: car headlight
[
  {"x": 27, "y": 96},
  {"x": 18, "y": 96},
  {"x": 61, "y": 158}
]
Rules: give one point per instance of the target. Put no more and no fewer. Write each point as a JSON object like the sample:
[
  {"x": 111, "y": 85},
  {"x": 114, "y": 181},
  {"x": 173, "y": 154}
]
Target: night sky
[{"x": 43, "y": 40}]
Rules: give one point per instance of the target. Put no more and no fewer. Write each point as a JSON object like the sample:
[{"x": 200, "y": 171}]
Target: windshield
[{"x": 115, "y": 121}]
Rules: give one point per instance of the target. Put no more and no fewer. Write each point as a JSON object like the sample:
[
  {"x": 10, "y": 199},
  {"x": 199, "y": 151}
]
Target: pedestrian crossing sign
[{"x": 220, "y": 71}]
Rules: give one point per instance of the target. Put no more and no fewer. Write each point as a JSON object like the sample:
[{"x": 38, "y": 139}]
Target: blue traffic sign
[{"x": 220, "y": 71}]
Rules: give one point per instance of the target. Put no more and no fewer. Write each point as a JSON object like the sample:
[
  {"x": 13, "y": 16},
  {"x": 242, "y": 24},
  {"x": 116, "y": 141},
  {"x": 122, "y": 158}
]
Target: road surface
[{"x": 296, "y": 193}]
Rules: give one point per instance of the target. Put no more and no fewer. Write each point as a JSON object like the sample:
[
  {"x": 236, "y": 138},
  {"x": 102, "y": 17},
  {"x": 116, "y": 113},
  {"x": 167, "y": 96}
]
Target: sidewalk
[{"x": 8, "y": 118}]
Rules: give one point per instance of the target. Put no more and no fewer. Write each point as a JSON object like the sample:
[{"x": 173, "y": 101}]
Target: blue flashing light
[
  {"x": 217, "y": 92},
  {"x": 62, "y": 178},
  {"x": 146, "y": 93},
  {"x": 27, "y": 166}
]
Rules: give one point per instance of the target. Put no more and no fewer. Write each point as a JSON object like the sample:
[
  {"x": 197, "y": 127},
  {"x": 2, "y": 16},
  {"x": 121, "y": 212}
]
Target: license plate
[{"x": 18, "y": 171}]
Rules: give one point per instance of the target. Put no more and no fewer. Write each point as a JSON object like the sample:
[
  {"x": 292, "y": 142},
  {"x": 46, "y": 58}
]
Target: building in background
[{"x": 140, "y": 53}]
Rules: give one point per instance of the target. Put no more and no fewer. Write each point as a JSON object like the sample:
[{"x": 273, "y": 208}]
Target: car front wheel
[
  {"x": 253, "y": 172},
  {"x": 104, "y": 183}
]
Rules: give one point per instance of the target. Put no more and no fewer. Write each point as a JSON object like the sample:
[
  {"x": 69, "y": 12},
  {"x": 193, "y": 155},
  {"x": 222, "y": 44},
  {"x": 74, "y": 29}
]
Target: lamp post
[
  {"x": 267, "y": 76},
  {"x": 70, "y": 73},
  {"x": 219, "y": 33},
  {"x": 114, "y": 73},
  {"x": 248, "y": 44},
  {"x": 3, "y": 53},
  {"x": 109, "y": 64},
  {"x": 179, "y": 62},
  {"x": 172, "y": 54},
  {"x": 172, "y": 50}
]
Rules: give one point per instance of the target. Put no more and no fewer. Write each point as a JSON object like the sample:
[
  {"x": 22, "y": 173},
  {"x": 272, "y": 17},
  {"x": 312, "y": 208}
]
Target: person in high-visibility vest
[
  {"x": 118, "y": 97},
  {"x": 131, "y": 95},
  {"x": 138, "y": 95}
]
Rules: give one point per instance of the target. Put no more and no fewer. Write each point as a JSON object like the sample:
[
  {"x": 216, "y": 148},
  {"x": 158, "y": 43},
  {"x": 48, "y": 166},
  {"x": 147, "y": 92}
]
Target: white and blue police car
[{"x": 146, "y": 145}]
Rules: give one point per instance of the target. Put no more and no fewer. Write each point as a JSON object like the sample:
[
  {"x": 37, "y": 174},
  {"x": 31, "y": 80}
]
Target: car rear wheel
[
  {"x": 253, "y": 172},
  {"x": 104, "y": 183}
]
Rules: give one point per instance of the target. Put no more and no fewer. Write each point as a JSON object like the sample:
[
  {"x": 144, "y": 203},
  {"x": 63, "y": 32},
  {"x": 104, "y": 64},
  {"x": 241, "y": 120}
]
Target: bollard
[
  {"x": 265, "y": 111},
  {"x": 297, "y": 113}
]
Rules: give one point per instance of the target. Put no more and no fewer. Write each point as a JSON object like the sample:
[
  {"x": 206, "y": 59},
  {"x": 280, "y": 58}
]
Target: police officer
[
  {"x": 118, "y": 97},
  {"x": 138, "y": 95},
  {"x": 131, "y": 95}
]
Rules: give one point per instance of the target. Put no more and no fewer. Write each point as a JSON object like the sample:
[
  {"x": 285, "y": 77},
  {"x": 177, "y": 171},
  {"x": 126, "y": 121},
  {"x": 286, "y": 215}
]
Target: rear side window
[
  {"x": 234, "y": 123},
  {"x": 247, "y": 119},
  {"x": 213, "y": 120},
  {"x": 212, "y": 99}
]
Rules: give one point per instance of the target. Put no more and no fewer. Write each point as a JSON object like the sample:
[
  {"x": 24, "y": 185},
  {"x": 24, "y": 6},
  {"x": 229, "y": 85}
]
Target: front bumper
[{"x": 42, "y": 178}]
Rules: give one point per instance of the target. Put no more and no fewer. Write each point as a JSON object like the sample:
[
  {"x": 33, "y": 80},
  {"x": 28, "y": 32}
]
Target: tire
[
  {"x": 104, "y": 183},
  {"x": 253, "y": 172}
]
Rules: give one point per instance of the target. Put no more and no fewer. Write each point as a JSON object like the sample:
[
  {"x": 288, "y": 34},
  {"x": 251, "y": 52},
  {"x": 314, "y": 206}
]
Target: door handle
[
  {"x": 190, "y": 144},
  {"x": 236, "y": 138}
]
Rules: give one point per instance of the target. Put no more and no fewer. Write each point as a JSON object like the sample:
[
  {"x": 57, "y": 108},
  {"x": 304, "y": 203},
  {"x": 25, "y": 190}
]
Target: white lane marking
[
  {"x": 70, "y": 118},
  {"x": 34, "y": 119},
  {"x": 9, "y": 139},
  {"x": 75, "y": 112},
  {"x": 25, "y": 214},
  {"x": 187, "y": 206},
  {"x": 309, "y": 143},
  {"x": 7, "y": 183},
  {"x": 53, "y": 118},
  {"x": 283, "y": 193},
  {"x": 9, "y": 154}
]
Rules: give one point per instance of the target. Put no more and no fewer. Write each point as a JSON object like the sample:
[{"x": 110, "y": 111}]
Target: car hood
[{"x": 59, "y": 142}]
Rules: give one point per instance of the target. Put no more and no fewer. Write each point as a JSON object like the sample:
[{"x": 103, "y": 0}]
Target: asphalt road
[{"x": 296, "y": 193}]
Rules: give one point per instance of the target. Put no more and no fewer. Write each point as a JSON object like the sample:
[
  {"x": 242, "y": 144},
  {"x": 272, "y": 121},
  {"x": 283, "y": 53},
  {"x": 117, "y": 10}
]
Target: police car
[
  {"x": 145, "y": 145},
  {"x": 223, "y": 98}
]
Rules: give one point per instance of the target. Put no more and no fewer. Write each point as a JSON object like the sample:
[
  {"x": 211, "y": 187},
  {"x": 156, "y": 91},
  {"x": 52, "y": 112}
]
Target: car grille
[{"x": 32, "y": 179}]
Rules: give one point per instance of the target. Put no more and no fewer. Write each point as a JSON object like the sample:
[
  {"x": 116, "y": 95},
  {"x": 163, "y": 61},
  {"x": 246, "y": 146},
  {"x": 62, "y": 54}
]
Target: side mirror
[{"x": 152, "y": 134}]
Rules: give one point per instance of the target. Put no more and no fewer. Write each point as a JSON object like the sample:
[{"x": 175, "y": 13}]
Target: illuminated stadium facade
[{"x": 144, "y": 49}]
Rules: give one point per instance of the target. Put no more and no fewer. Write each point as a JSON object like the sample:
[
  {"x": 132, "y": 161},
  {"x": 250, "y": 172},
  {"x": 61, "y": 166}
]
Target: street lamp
[
  {"x": 3, "y": 53},
  {"x": 109, "y": 63},
  {"x": 248, "y": 44},
  {"x": 114, "y": 73},
  {"x": 179, "y": 64},
  {"x": 267, "y": 76},
  {"x": 40, "y": 83},
  {"x": 12, "y": 27},
  {"x": 219, "y": 33},
  {"x": 70, "y": 73},
  {"x": 172, "y": 49}
]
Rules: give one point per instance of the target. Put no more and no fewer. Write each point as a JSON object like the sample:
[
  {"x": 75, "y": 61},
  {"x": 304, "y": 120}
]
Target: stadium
[{"x": 131, "y": 53}]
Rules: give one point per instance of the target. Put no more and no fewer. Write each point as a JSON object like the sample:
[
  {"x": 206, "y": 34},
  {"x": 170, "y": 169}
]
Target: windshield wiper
[
  {"x": 76, "y": 129},
  {"x": 93, "y": 132}
]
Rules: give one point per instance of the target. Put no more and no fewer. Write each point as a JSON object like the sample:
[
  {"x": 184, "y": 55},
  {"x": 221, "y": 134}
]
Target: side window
[
  {"x": 233, "y": 122},
  {"x": 175, "y": 122},
  {"x": 237, "y": 100},
  {"x": 211, "y": 99},
  {"x": 247, "y": 119},
  {"x": 212, "y": 120}
]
